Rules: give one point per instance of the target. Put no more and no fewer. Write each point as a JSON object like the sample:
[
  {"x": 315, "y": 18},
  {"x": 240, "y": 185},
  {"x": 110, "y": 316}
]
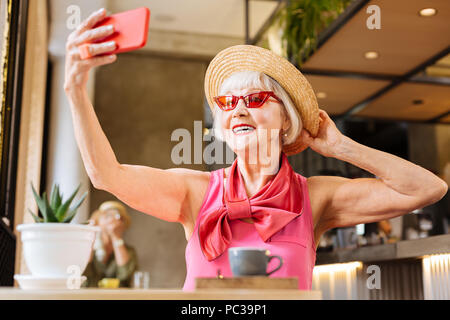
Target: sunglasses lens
[
  {"x": 255, "y": 100},
  {"x": 226, "y": 102}
]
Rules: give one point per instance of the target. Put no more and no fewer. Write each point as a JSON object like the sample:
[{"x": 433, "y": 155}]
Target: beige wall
[
  {"x": 429, "y": 146},
  {"x": 140, "y": 100}
]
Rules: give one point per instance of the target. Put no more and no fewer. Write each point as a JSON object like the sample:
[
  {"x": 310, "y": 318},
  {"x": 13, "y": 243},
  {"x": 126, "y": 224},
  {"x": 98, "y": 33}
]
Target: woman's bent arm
[{"x": 400, "y": 187}]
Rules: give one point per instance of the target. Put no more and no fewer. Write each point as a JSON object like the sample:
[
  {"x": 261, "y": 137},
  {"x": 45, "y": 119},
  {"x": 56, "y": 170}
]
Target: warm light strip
[
  {"x": 338, "y": 267},
  {"x": 436, "y": 276},
  {"x": 337, "y": 281},
  {"x": 437, "y": 257}
]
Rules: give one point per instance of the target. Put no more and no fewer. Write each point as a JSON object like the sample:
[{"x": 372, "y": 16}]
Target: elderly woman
[
  {"x": 111, "y": 257},
  {"x": 264, "y": 110}
]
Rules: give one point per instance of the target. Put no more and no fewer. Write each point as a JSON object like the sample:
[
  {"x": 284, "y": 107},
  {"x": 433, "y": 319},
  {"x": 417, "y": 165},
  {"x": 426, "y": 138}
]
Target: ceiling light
[
  {"x": 321, "y": 95},
  {"x": 427, "y": 12},
  {"x": 371, "y": 55}
]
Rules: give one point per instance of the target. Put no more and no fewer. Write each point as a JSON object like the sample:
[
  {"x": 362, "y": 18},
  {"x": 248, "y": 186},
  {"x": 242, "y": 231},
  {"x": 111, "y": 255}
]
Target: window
[{"x": 13, "y": 14}]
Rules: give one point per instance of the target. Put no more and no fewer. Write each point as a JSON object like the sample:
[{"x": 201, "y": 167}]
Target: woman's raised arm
[
  {"x": 164, "y": 194},
  {"x": 95, "y": 149}
]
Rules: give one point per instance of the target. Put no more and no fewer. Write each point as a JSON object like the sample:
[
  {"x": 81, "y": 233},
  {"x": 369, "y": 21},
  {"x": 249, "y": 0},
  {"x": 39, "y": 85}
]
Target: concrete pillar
[{"x": 64, "y": 163}]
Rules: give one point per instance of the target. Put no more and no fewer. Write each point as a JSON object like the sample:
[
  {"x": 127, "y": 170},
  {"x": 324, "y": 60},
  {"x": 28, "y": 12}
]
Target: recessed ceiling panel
[
  {"x": 214, "y": 17},
  {"x": 410, "y": 101},
  {"x": 404, "y": 41},
  {"x": 336, "y": 94}
]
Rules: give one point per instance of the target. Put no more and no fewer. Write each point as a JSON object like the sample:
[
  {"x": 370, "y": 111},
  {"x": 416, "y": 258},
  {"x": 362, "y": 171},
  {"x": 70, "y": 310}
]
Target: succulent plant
[{"x": 56, "y": 210}]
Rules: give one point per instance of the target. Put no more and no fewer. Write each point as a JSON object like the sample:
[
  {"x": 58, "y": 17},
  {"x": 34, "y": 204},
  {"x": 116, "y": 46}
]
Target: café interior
[{"x": 379, "y": 68}]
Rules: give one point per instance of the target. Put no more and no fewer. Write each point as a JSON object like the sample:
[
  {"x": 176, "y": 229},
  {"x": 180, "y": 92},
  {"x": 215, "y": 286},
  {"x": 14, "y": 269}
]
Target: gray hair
[{"x": 256, "y": 79}]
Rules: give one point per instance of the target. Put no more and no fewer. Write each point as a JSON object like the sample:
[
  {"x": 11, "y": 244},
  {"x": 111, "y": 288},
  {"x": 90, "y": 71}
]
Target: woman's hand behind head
[{"x": 328, "y": 139}]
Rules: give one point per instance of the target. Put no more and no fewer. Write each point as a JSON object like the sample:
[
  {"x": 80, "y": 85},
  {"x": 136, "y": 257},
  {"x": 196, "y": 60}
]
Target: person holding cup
[
  {"x": 111, "y": 258},
  {"x": 265, "y": 110}
]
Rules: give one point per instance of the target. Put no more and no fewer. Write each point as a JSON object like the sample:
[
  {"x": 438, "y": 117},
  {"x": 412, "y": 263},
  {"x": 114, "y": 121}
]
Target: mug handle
[{"x": 277, "y": 268}]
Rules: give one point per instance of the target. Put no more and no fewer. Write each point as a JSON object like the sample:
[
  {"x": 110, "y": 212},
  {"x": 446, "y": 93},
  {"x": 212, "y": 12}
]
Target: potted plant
[
  {"x": 296, "y": 27},
  {"x": 53, "y": 246}
]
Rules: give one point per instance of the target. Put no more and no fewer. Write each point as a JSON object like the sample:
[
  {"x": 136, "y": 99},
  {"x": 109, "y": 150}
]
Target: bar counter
[
  {"x": 158, "y": 294},
  {"x": 418, "y": 248}
]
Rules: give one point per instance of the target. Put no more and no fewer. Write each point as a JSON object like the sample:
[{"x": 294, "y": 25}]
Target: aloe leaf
[
  {"x": 50, "y": 215},
  {"x": 80, "y": 201},
  {"x": 62, "y": 210},
  {"x": 73, "y": 210},
  {"x": 58, "y": 198},
  {"x": 35, "y": 217},
  {"x": 70, "y": 216},
  {"x": 41, "y": 203},
  {"x": 55, "y": 198}
]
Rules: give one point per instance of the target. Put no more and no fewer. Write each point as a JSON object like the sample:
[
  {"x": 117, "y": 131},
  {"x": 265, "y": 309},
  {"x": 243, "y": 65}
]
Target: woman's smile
[{"x": 243, "y": 129}]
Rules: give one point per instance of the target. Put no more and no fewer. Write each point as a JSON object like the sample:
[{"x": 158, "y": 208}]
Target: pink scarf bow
[{"x": 272, "y": 208}]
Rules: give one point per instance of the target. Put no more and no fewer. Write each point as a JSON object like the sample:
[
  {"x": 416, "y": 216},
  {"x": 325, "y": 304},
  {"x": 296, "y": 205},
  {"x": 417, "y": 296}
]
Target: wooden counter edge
[{"x": 158, "y": 294}]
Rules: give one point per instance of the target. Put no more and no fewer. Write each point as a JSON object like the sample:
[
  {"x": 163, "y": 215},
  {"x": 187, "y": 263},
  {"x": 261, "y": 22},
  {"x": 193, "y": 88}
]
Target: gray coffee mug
[{"x": 248, "y": 261}]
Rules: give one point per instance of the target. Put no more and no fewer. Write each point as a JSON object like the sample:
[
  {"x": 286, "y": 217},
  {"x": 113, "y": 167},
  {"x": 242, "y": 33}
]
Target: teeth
[{"x": 243, "y": 129}]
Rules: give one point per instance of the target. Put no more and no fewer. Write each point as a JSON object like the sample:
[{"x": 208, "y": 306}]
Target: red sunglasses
[{"x": 253, "y": 100}]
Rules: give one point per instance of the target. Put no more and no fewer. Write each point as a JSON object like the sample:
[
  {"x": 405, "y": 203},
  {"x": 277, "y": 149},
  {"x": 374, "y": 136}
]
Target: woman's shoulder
[
  {"x": 192, "y": 177},
  {"x": 316, "y": 182},
  {"x": 322, "y": 188},
  {"x": 189, "y": 172}
]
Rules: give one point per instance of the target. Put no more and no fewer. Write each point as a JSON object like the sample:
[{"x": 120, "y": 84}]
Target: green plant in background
[
  {"x": 56, "y": 210},
  {"x": 302, "y": 21}
]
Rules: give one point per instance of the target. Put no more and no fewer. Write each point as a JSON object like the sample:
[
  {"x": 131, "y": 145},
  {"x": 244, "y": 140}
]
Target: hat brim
[{"x": 252, "y": 58}]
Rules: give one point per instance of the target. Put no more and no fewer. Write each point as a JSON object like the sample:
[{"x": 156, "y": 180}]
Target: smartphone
[{"x": 130, "y": 29}]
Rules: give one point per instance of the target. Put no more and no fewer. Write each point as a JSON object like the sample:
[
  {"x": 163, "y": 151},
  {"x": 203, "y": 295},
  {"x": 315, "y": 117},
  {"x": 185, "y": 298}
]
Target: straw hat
[{"x": 252, "y": 58}]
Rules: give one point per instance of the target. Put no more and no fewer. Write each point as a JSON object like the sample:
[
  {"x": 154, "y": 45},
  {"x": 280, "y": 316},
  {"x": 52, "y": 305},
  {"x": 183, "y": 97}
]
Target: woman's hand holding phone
[{"x": 76, "y": 69}]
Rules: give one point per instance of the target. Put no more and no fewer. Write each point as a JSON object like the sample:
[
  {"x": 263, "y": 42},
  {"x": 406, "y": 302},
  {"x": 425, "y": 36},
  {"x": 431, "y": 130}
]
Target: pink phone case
[{"x": 131, "y": 31}]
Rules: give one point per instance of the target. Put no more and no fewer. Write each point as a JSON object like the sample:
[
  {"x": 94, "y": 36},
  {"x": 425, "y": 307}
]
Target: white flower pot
[{"x": 51, "y": 248}]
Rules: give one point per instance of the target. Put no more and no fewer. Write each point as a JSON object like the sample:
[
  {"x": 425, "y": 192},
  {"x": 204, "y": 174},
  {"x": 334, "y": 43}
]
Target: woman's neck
[{"x": 257, "y": 175}]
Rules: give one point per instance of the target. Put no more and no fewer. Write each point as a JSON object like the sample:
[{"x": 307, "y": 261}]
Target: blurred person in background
[{"x": 111, "y": 257}]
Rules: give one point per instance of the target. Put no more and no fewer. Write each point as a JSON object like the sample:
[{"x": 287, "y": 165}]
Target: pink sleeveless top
[{"x": 294, "y": 243}]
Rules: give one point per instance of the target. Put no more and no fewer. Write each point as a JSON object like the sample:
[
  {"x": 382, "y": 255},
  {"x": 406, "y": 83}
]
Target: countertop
[
  {"x": 392, "y": 251},
  {"x": 157, "y": 294}
]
